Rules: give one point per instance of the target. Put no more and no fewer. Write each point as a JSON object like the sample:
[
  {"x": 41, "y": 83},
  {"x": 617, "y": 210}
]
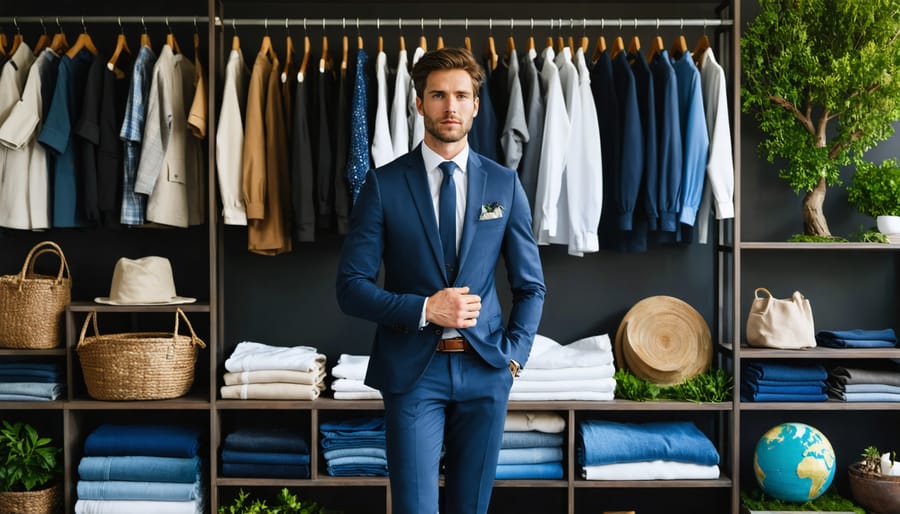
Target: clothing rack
[
  {"x": 511, "y": 23},
  {"x": 103, "y": 19}
]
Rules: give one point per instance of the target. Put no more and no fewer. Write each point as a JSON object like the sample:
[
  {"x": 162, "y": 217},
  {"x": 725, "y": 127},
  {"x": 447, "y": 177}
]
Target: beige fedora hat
[{"x": 144, "y": 281}]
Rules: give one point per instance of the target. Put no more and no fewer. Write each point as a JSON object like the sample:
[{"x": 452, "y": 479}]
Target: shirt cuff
[{"x": 422, "y": 321}]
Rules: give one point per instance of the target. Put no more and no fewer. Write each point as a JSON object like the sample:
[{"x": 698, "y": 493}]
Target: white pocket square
[{"x": 491, "y": 211}]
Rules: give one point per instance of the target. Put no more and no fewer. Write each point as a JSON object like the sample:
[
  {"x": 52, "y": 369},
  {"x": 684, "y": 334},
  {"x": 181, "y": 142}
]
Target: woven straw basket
[
  {"x": 32, "y": 305},
  {"x": 138, "y": 365},
  {"x": 42, "y": 501}
]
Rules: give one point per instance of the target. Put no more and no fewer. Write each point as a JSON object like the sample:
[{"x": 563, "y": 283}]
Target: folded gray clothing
[{"x": 841, "y": 375}]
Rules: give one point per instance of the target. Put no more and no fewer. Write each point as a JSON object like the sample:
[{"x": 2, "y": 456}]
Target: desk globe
[{"x": 794, "y": 462}]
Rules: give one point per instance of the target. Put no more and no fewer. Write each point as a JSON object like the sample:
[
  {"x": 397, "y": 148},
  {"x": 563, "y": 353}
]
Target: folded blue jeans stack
[
  {"x": 136, "y": 466},
  {"x": 354, "y": 447},
  {"x": 857, "y": 338},
  {"x": 530, "y": 455},
  {"x": 777, "y": 382},
  {"x": 265, "y": 453},
  {"x": 872, "y": 383},
  {"x": 27, "y": 380}
]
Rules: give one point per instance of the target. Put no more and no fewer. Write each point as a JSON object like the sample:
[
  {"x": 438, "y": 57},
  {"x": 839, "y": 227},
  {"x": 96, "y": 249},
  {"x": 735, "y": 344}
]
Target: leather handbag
[{"x": 777, "y": 323}]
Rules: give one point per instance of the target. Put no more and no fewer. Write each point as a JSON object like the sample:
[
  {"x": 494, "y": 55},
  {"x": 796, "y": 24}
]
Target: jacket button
[{"x": 438, "y": 331}]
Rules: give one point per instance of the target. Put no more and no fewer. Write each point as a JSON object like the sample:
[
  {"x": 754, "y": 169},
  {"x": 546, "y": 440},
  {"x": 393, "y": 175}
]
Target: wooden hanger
[
  {"x": 402, "y": 42},
  {"x": 345, "y": 52},
  {"x": 323, "y": 59},
  {"x": 468, "y": 43},
  {"x": 440, "y": 42},
  {"x": 510, "y": 46},
  {"x": 530, "y": 43},
  {"x": 42, "y": 42},
  {"x": 618, "y": 46},
  {"x": 701, "y": 47},
  {"x": 655, "y": 47},
  {"x": 121, "y": 46},
  {"x": 305, "y": 60},
  {"x": 173, "y": 44},
  {"x": 288, "y": 57},
  {"x": 634, "y": 46},
  {"x": 423, "y": 42},
  {"x": 549, "y": 43},
  {"x": 491, "y": 53},
  {"x": 380, "y": 44},
  {"x": 2, "y": 44},
  {"x": 571, "y": 44},
  {"x": 17, "y": 40},
  {"x": 599, "y": 48},
  {"x": 679, "y": 47},
  {"x": 560, "y": 44},
  {"x": 84, "y": 41},
  {"x": 196, "y": 47},
  {"x": 235, "y": 42},
  {"x": 585, "y": 43},
  {"x": 359, "y": 42}
]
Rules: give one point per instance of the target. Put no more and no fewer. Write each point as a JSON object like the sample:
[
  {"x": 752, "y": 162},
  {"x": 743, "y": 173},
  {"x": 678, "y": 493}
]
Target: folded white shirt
[
  {"x": 137, "y": 507},
  {"x": 351, "y": 386},
  {"x": 351, "y": 366},
  {"x": 275, "y": 375},
  {"x": 250, "y": 356},
  {"x": 590, "y": 351},
  {"x": 598, "y": 385},
  {"x": 585, "y": 373},
  {"x": 555, "y": 396},
  {"x": 548, "y": 422},
  {"x": 651, "y": 470},
  {"x": 357, "y": 395}
]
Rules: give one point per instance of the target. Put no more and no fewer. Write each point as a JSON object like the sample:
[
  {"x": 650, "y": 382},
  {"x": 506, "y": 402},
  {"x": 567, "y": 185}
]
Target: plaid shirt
[{"x": 134, "y": 205}]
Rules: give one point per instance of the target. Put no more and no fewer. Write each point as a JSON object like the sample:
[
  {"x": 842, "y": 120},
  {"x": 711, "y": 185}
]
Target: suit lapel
[
  {"x": 417, "y": 181},
  {"x": 474, "y": 200}
]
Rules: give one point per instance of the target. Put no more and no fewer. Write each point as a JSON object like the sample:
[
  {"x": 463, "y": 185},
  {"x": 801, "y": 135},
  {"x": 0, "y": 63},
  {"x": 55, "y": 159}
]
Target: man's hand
[{"x": 453, "y": 307}]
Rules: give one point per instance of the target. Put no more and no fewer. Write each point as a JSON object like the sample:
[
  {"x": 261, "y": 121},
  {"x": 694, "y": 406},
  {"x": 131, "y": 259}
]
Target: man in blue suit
[{"x": 438, "y": 219}]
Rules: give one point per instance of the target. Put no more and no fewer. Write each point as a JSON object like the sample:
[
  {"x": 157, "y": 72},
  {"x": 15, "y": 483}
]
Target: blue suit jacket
[{"x": 393, "y": 222}]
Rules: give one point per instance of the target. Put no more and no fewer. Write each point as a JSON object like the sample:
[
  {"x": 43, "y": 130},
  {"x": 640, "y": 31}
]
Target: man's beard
[{"x": 432, "y": 127}]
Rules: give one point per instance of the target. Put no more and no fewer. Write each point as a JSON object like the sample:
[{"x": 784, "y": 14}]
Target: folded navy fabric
[
  {"x": 818, "y": 387},
  {"x": 293, "y": 459},
  {"x": 363, "y": 432},
  {"x": 749, "y": 396},
  {"x": 776, "y": 371},
  {"x": 361, "y": 470},
  {"x": 353, "y": 426},
  {"x": 25, "y": 377},
  {"x": 266, "y": 440},
  {"x": 530, "y": 440},
  {"x": 764, "y": 382},
  {"x": 547, "y": 470},
  {"x": 608, "y": 442},
  {"x": 139, "y": 469},
  {"x": 10, "y": 363},
  {"x": 239, "y": 469},
  {"x": 148, "y": 440},
  {"x": 857, "y": 338}
]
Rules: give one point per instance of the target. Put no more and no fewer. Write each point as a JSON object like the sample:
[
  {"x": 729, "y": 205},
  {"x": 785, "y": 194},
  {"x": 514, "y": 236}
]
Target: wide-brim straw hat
[
  {"x": 144, "y": 281},
  {"x": 663, "y": 340}
]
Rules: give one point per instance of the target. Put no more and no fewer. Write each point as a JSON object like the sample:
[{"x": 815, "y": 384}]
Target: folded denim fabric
[
  {"x": 857, "y": 338},
  {"x": 347, "y": 395},
  {"x": 147, "y": 440},
  {"x": 556, "y": 396},
  {"x": 868, "y": 397},
  {"x": 238, "y": 469},
  {"x": 137, "y": 507},
  {"x": 749, "y": 396},
  {"x": 15, "y": 377},
  {"x": 239, "y": 457},
  {"x": 251, "y": 356},
  {"x": 266, "y": 439},
  {"x": 351, "y": 366},
  {"x": 139, "y": 469},
  {"x": 356, "y": 471},
  {"x": 530, "y": 440},
  {"x": 359, "y": 432},
  {"x": 608, "y": 442},
  {"x": 10, "y": 363},
  {"x": 549, "y": 422},
  {"x": 548, "y": 354},
  {"x": 353, "y": 426},
  {"x": 651, "y": 470},
  {"x": 347, "y": 452},
  {"x": 530, "y": 455},
  {"x": 335, "y": 443},
  {"x": 23, "y": 398},
  {"x": 785, "y": 388},
  {"x": 763, "y": 381},
  {"x": 869, "y": 388},
  {"x": 155, "y": 491},
  {"x": 547, "y": 470},
  {"x": 776, "y": 371},
  {"x": 357, "y": 460},
  {"x": 848, "y": 375},
  {"x": 44, "y": 390},
  {"x": 583, "y": 373}
]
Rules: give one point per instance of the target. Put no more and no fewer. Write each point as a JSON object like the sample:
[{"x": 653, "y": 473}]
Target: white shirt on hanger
[
  {"x": 382, "y": 147},
  {"x": 230, "y": 140},
  {"x": 14, "y": 210},
  {"x": 399, "y": 123},
  {"x": 415, "y": 120}
]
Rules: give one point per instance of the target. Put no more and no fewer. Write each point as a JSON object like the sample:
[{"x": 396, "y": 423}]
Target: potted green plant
[
  {"x": 284, "y": 503},
  {"x": 29, "y": 471},
  {"x": 821, "y": 78},
  {"x": 874, "y": 490},
  {"x": 875, "y": 190}
]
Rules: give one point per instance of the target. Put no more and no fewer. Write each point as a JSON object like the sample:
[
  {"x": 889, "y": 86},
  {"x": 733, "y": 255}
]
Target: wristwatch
[{"x": 514, "y": 367}]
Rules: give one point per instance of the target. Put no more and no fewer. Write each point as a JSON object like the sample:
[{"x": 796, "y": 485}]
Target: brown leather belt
[{"x": 453, "y": 344}]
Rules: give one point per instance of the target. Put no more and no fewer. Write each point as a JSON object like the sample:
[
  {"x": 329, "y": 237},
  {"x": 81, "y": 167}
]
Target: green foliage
[
  {"x": 829, "y": 501},
  {"x": 27, "y": 461},
  {"x": 811, "y": 238},
  {"x": 285, "y": 503},
  {"x": 809, "y": 62},
  {"x": 871, "y": 462},
  {"x": 714, "y": 386},
  {"x": 875, "y": 189},
  {"x": 871, "y": 236}
]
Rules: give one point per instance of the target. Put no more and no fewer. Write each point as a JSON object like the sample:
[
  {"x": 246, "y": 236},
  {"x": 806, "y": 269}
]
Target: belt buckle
[{"x": 457, "y": 340}]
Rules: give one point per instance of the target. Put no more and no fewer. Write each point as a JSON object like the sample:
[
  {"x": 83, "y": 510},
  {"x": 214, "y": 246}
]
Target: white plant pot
[{"x": 888, "y": 224}]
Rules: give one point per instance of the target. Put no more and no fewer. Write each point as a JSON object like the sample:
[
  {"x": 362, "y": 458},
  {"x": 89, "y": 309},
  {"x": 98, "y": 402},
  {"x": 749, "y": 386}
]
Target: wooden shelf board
[
  {"x": 51, "y": 405},
  {"x": 55, "y": 352},
  {"x": 190, "y": 402},
  {"x": 819, "y": 352},
  {"x": 266, "y": 404},
  {"x": 654, "y": 484},
  {"x": 814, "y": 406},
  {"x": 83, "y": 306},
  {"x": 783, "y": 245},
  {"x": 298, "y": 482}
]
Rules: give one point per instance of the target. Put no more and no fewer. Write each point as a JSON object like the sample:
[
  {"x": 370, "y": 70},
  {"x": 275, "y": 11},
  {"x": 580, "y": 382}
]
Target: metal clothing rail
[
  {"x": 104, "y": 19},
  {"x": 511, "y": 23}
]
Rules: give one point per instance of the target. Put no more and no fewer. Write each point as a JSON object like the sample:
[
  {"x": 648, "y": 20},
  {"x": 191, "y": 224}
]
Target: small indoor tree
[{"x": 808, "y": 63}]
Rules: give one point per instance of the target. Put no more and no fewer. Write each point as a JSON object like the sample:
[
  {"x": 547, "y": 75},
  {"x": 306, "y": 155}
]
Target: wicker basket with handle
[
  {"x": 39, "y": 501},
  {"x": 138, "y": 365},
  {"x": 32, "y": 305}
]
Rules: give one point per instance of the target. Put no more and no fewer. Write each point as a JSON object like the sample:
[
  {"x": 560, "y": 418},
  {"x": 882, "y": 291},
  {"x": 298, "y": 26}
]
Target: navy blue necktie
[{"x": 447, "y": 221}]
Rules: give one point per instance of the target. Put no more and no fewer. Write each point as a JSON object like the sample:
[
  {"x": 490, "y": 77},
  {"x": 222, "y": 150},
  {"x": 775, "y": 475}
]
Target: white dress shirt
[
  {"x": 399, "y": 123},
  {"x": 230, "y": 140},
  {"x": 415, "y": 120},
  {"x": 14, "y": 163},
  {"x": 382, "y": 148}
]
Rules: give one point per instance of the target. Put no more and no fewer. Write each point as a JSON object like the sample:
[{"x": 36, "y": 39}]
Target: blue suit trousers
[{"x": 459, "y": 402}]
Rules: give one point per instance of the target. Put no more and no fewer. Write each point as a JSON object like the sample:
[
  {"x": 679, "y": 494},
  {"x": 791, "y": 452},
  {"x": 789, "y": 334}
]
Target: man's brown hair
[{"x": 446, "y": 59}]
